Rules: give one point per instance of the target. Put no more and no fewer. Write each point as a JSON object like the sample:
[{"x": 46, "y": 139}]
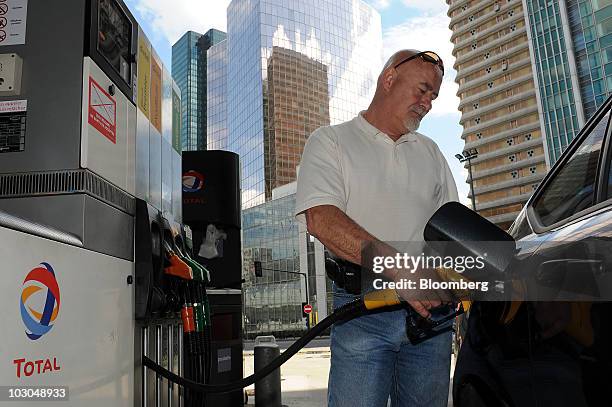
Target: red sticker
[{"x": 102, "y": 111}]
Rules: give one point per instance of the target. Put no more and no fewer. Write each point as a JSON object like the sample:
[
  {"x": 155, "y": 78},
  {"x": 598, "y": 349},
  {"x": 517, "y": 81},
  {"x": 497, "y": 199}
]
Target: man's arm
[
  {"x": 339, "y": 233},
  {"x": 345, "y": 238}
]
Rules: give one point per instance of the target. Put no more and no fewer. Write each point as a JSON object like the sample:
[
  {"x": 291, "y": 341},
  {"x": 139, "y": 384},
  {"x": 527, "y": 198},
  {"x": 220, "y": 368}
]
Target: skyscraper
[
  {"x": 292, "y": 66},
  {"x": 297, "y": 102},
  {"x": 498, "y": 105},
  {"x": 571, "y": 45},
  {"x": 189, "y": 72},
  {"x": 216, "y": 100}
]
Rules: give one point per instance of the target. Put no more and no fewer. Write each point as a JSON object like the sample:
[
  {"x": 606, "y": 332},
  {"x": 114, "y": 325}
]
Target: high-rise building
[
  {"x": 499, "y": 111},
  {"x": 297, "y": 102},
  {"x": 189, "y": 72},
  {"x": 270, "y": 235},
  {"x": 292, "y": 66},
  {"x": 216, "y": 99},
  {"x": 571, "y": 45}
]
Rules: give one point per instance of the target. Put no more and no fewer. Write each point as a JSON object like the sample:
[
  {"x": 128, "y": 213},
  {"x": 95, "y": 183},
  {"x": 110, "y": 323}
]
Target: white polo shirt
[{"x": 389, "y": 188}]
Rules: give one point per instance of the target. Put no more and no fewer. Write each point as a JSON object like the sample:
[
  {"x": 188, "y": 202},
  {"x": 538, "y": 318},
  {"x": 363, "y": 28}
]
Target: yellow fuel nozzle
[{"x": 380, "y": 298}]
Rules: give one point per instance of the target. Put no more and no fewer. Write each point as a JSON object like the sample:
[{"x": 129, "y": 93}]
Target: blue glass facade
[
  {"x": 273, "y": 303},
  {"x": 571, "y": 42},
  {"x": 216, "y": 99},
  {"x": 189, "y": 72}
]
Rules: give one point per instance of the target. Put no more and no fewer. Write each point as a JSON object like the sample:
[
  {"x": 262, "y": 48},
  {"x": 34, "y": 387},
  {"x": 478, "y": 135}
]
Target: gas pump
[{"x": 96, "y": 271}]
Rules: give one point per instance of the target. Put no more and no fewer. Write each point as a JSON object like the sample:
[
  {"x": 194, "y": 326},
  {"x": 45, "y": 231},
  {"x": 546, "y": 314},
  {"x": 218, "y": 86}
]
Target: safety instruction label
[
  {"x": 13, "y": 14},
  {"x": 13, "y": 125},
  {"x": 102, "y": 111}
]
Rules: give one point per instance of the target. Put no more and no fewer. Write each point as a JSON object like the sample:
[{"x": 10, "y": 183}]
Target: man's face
[{"x": 416, "y": 85}]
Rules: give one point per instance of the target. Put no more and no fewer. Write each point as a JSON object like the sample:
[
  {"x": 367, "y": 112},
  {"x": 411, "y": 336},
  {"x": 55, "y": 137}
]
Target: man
[{"x": 373, "y": 180}]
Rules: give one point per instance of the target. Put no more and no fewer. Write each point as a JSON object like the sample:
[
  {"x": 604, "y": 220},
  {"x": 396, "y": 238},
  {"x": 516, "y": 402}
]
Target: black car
[{"x": 553, "y": 351}]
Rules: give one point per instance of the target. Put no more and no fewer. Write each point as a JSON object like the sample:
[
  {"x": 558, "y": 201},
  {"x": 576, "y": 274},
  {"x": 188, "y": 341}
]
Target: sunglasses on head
[{"x": 428, "y": 56}]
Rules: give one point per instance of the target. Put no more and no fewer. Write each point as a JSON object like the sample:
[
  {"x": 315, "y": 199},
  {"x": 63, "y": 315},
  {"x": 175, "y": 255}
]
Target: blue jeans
[{"x": 372, "y": 360}]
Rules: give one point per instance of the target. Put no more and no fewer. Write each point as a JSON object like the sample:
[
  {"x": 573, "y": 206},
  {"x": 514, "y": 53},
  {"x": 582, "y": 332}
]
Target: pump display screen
[{"x": 115, "y": 37}]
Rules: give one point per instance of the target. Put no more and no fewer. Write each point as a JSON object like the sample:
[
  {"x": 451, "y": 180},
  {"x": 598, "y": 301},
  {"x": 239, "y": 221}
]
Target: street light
[
  {"x": 469, "y": 155},
  {"x": 258, "y": 273}
]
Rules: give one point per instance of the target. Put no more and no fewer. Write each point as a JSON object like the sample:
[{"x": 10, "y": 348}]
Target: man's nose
[{"x": 426, "y": 103}]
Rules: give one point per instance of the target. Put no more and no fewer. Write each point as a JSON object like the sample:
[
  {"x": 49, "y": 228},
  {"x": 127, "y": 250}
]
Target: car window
[{"x": 573, "y": 188}]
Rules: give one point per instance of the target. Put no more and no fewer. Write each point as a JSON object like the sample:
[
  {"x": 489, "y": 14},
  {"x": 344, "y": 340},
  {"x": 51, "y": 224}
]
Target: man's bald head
[
  {"x": 398, "y": 56},
  {"x": 404, "y": 93}
]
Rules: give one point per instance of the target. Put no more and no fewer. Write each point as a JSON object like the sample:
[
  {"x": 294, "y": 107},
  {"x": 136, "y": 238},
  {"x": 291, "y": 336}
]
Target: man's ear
[{"x": 388, "y": 78}]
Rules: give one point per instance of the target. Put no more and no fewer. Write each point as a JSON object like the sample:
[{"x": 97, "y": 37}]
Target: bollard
[{"x": 268, "y": 389}]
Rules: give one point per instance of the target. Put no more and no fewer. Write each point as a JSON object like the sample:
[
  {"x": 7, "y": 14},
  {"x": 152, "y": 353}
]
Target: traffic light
[{"x": 258, "y": 269}]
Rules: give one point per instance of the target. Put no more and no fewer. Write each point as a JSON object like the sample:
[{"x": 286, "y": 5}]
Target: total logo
[
  {"x": 39, "y": 301},
  {"x": 193, "y": 181}
]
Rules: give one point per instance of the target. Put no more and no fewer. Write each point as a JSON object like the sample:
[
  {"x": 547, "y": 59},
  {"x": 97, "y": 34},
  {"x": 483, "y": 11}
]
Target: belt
[{"x": 345, "y": 274}]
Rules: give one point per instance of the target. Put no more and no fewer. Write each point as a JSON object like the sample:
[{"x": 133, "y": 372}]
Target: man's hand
[{"x": 422, "y": 300}]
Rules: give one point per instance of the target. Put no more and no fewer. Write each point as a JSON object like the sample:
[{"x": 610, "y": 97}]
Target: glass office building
[
  {"x": 343, "y": 35},
  {"x": 216, "y": 99},
  {"x": 571, "y": 45},
  {"x": 292, "y": 66},
  {"x": 273, "y": 302},
  {"x": 189, "y": 72}
]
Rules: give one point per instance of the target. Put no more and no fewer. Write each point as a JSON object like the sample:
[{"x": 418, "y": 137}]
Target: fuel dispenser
[
  {"x": 97, "y": 267},
  {"x": 211, "y": 208}
]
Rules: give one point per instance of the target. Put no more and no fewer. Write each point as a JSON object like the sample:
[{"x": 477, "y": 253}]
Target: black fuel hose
[{"x": 348, "y": 311}]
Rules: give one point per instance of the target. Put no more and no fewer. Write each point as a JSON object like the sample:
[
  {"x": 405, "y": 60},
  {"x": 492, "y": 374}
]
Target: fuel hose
[{"x": 371, "y": 301}]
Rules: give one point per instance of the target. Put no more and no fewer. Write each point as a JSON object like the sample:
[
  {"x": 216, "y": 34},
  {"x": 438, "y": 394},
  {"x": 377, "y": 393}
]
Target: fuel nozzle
[
  {"x": 177, "y": 267},
  {"x": 419, "y": 329}
]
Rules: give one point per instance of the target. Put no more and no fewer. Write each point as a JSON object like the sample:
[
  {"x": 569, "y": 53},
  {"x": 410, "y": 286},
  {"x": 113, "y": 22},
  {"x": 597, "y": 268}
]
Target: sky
[{"x": 417, "y": 24}]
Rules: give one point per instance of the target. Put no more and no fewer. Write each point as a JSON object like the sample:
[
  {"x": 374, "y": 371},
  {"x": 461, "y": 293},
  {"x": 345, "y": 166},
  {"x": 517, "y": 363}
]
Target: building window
[
  {"x": 510, "y": 141},
  {"x": 490, "y": 85},
  {"x": 513, "y": 27},
  {"x": 512, "y": 158},
  {"x": 478, "y": 136},
  {"x": 533, "y": 169},
  {"x": 510, "y": 13},
  {"x": 477, "y": 120},
  {"x": 474, "y": 46},
  {"x": 528, "y": 137},
  {"x": 487, "y": 55},
  {"x": 473, "y": 32},
  {"x": 514, "y": 174},
  {"x": 475, "y": 106},
  {"x": 488, "y": 70},
  {"x": 530, "y": 153},
  {"x": 471, "y": 18}
]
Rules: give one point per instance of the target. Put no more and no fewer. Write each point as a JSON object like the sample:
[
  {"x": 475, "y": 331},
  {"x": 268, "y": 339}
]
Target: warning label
[
  {"x": 13, "y": 15},
  {"x": 102, "y": 111},
  {"x": 13, "y": 106}
]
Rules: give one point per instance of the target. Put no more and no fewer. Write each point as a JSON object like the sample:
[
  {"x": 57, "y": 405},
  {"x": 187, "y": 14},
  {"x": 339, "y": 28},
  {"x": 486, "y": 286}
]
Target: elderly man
[{"x": 374, "y": 179}]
